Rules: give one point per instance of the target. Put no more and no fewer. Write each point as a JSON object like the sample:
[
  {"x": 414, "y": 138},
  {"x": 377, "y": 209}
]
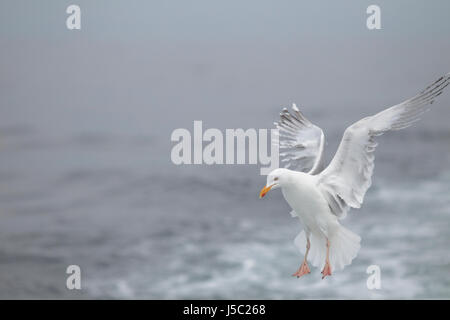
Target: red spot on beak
[{"x": 264, "y": 191}]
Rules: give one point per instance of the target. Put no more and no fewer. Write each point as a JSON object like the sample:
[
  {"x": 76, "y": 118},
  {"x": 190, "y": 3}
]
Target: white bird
[{"x": 321, "y": 197}]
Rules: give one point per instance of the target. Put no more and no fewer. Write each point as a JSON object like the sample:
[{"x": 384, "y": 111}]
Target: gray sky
[
  {"x": 179, "y": 61},
  {"x": 223, "y": 20}
]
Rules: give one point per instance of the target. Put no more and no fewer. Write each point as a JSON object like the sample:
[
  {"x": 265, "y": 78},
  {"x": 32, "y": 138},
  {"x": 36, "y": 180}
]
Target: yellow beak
[{"x": 265, "y": 190}]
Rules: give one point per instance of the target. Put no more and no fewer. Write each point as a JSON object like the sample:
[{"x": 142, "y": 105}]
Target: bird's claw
[
  {"x": 304, "y": 269},
  {"x": 326, "y": 270}
]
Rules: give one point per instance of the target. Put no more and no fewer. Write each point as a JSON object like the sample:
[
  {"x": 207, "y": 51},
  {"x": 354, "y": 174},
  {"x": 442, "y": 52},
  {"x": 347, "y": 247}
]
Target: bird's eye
[{"x": 275, "y": 179}]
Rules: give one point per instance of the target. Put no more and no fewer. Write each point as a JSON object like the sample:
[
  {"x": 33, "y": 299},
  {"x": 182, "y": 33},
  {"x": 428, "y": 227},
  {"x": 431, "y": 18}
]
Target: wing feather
[
  {"x": 301, "y": 143},
  {"x": 349, "y": 175}
]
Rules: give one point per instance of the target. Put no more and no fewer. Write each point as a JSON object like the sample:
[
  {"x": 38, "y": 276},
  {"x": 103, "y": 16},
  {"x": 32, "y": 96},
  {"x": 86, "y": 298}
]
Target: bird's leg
[
  {"x": 327, "y": 268},
  {"x": 304, "y": 269}
]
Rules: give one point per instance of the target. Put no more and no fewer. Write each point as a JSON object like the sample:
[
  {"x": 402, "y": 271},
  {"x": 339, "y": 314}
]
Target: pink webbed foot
[
  {"x": 304, "y": 269},
  {"x": 326, "y": 270}
]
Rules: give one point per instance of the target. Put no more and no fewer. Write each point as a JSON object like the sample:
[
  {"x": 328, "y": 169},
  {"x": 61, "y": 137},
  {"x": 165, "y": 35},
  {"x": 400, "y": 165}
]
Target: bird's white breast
[{"x": 305, "y": 198}]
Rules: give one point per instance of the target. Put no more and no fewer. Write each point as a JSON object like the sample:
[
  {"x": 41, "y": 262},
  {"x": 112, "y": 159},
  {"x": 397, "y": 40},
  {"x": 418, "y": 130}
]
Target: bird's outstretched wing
[
  {"x": 301, "y": 143},
  {"x": 348, "y": 176}
]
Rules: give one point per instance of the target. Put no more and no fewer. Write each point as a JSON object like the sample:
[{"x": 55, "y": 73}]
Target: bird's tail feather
[{"x": 344, "y": 247}]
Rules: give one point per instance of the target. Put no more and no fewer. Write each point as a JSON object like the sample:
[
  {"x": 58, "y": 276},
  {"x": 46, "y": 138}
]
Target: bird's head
[{"x": 276, "y": 179}]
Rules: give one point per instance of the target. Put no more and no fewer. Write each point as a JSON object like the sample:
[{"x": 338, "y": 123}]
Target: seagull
[{"x": 320, "y": 196}]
